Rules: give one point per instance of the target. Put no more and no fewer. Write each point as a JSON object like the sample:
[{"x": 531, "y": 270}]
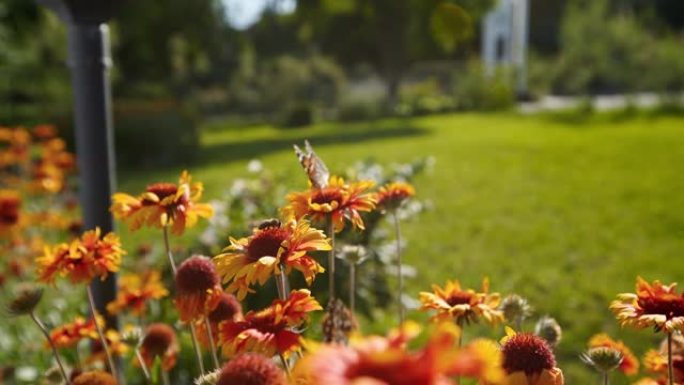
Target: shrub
[
  {"x": 155, "y": 133},
  {"x": 476, "y": 90},
  {"x": 297, "y": 116}
]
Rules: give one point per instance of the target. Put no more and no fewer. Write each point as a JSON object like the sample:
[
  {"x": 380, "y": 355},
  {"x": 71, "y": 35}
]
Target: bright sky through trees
[{"x": 243, "y": 13}]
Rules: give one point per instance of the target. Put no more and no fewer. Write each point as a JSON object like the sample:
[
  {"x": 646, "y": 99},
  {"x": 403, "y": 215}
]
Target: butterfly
[{"x": 313, "y": 165}]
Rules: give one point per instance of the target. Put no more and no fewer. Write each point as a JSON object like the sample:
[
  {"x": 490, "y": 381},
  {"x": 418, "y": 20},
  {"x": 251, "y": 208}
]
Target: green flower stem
[
  {"x": 146, "y": 371},
  {"x": 212, "y": 344},
  {"x": 100, "y": 332},
  {"x": 168, "y": 249},
  {"x": 195, "y": 345},
  {"x": 52, "y": 345},
  {"x": 352, "y": 287},
  {"x": 400, "y": 277},
  {"x": 670, "y": 371},
  {"x": 331, "y": 260}
]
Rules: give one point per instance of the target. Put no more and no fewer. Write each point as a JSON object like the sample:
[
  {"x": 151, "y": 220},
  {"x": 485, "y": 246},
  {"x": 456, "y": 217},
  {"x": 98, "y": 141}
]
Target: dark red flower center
[
  {"x": 9, "y": 211},
  {"x": 266, "y": 243},
  {"x": 196, "y": 275},
  {"x": 158, "y": 339},
  {"x": 668, "y": 305},
  {"x": 326, "y": 195},
  {"x": 162, "y": 190},
  {"x": 226, "y": 310},
  {"x": 251, "y": 369},
  {"x": 460, "y": 298},
  {"x": 527, "y": 353}
]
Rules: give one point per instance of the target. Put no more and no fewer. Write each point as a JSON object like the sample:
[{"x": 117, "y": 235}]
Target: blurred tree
[
  {"x": 389, "y": 34},
  {"x": 174, "y": 43}
]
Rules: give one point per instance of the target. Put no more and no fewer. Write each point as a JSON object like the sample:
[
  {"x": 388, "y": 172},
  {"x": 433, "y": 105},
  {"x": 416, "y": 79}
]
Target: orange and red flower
[
  {"x": 629, "y": 364},
  {"x": 337, "y": 202},
  {"x": 464, "y": 306},
  {"x": 227, "y": 309},
  {"x": 198, "y": 289},
  {"x": 255, "y": 259},
  {"x": 528, "y": 360},
  {"x": 69, "y": 335},
  {"x": 159, "y": 341},
  {"x": 270, "y": 330},
  {"x": 163, "y": 204},
  {"x": 655, "y": 304},
  {"x": 83, "y": 259},
  {"x": 251, "y": 369},
  {"x": 136, "y": 290},
  {"x": 392, "y": 195},
  {"x": 387, "y": 361}
]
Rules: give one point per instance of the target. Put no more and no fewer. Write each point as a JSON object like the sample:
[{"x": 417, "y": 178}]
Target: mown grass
[{"x": 561, "y": 209}]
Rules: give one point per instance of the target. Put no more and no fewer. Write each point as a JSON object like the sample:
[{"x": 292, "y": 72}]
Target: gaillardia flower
[
  {"x": 382, "y": 361},
  {"x": 136, "y": 290},
  {"x": 338, "y": 201},
  {"x": 392, "y": 195},
  {"x": 270, "y": 330},
  {"x": 159, "y": 341},
  {"x": 163, "y": 204},
  {"x": 86, "y": 258},
  {"x": 69, "y": 335},
  {"x": 271, "y": 247},
  {"x": 198, "y": 288},
  {"x": 655, "y": 305},
  {"x": 480, "y": 359},
  {"x": 95, "y": 377},
  {"x": 251, "y": 369},
  {"x": 528, "y": 360},
  {"x": 228, "y": 308},
  {"x": 464, "y": 306},
  {"x": 629, "y": 364}
]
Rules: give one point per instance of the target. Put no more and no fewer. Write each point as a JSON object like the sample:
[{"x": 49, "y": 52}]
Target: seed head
[
  {"x": 602, "y": 358},
  {"x": 25, "y": 300}
]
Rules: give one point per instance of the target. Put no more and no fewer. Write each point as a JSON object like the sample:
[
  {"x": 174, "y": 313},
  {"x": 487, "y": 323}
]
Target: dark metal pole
[{"x": 89, "y": 60}]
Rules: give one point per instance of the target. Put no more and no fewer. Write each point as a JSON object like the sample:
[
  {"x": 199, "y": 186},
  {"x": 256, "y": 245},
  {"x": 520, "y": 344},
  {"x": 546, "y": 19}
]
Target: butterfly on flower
[{"x": 313, "y": 165}]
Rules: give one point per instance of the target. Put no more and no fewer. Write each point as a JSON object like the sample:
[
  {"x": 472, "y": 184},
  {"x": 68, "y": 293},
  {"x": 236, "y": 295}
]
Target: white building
[{"x": 504, "y": 39}]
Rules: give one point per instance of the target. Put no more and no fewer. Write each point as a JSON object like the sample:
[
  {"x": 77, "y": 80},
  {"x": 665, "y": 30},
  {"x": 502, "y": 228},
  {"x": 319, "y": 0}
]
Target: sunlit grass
[{"x": 563, "y": 211}]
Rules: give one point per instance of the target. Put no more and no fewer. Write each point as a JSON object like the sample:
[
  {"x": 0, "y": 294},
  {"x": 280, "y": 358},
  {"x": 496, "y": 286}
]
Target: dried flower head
[
  {"x": 528, "y": 359},
  {"x": 338, "y": 323},
  {"x": 159, "y": 341},
  {"x": 355, "y": 254},
  {"x": 198, "y": 288},
  {"x": 94, "y": 378},
  {"x": 549, "y": 329},
  {"x": 132, "y": 336},
  {"x": 163, "y": 204},
  {"x": 603, "y": 359},
  {"x": 25, "y": 300},
  {"x": 251, "y": 369},
  {"x": 629, "y": 364},
  {"x": 515, "y": 308},
  {"x": 210, "y": 378}
]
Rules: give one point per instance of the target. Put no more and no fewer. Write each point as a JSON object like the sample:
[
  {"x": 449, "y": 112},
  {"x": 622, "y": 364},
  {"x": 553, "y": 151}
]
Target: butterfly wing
[{"x": 313, "y": 165}]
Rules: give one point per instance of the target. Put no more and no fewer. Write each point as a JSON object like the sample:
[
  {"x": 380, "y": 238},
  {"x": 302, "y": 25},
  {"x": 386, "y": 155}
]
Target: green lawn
[{"x": 566, "y": 212}]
